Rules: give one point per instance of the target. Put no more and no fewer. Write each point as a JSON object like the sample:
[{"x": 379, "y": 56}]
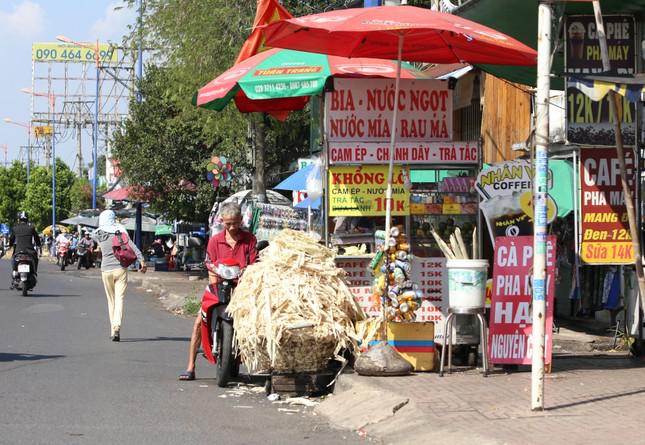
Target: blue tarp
[
  {"x": 308, "y": 202},
  {"x": 298, "y": 180}
]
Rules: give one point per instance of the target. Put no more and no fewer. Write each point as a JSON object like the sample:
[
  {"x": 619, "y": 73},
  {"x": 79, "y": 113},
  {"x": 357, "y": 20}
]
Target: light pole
[
  {"x": 8, "y": 120},
  {"x": 52, "y": 108},
  {"x": 95, "y": 141}
]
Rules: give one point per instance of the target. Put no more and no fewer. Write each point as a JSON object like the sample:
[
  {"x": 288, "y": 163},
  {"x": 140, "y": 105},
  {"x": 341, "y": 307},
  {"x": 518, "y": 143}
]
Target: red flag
[{"x": 267, "y": 12}]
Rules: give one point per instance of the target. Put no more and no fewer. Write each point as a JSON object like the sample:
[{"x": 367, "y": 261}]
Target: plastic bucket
[{"x": 467, "y": 283}]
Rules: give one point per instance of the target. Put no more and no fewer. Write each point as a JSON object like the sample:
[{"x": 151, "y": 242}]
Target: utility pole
[
  {"x": 79, "y": 144},
  {"x": 540, "y": 191},
  {"x": 5, "y": 147}
]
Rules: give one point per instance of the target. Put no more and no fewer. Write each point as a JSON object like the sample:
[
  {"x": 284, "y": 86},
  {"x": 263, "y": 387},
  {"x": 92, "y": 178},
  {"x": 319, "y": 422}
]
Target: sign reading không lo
[
  {"x": 361, "y": 110},
  {"x": 360, "y": 191}
]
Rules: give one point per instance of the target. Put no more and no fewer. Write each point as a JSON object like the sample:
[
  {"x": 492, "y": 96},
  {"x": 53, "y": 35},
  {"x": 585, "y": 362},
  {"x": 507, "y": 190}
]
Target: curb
[{"x": 363, "y": 406}]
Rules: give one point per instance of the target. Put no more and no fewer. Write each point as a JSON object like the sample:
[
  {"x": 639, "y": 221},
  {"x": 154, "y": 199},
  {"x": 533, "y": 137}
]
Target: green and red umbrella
[{"x": 283, "y": 80}]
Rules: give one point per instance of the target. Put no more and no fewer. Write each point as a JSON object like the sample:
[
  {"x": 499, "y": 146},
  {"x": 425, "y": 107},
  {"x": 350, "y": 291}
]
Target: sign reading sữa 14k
[
  {"x": 361, "y": 110},
  {"x": 604, "y": 225},
  {"x": 360, "y": 191},
  {"x": 511, "y": 324}
]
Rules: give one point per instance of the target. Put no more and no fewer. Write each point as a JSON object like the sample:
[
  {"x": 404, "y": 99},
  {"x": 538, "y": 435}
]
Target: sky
[{"x": 23, "y": 22}]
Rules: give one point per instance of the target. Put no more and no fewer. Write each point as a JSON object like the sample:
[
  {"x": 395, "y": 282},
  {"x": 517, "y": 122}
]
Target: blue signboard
[{"x": 4, "y": 229}]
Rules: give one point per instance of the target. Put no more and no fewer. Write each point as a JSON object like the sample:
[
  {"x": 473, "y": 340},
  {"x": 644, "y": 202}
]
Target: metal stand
[{"x": 447, "y": 336}]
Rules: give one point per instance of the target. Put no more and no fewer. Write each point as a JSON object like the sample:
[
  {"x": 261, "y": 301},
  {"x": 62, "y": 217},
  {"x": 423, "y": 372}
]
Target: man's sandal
[{"x": 188, "y": 375}]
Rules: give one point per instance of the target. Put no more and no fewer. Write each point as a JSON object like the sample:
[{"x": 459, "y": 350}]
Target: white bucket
[{"x": 467, "y": 283}]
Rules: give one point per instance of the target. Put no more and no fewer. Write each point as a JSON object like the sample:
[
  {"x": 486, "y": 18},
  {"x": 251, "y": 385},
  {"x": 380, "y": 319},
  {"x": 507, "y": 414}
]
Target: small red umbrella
[{"x": 283, "y": 80}]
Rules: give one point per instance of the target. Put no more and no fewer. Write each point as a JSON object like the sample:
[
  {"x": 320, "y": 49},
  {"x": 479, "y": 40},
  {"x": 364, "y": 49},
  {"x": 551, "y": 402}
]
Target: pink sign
[
  {"x": 361, "y": 110},
  {"x": 510, "y": 340}
]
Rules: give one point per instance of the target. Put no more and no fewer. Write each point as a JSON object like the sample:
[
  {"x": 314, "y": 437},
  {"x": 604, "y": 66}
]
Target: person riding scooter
[
  {"x": 84, "y": 251},
  {"x": 24, "y": 237},
  {"x": 232, "y": 242}
]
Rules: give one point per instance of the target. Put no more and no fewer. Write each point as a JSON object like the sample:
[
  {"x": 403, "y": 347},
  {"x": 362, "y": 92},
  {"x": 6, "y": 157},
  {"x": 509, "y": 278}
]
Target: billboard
[{"x": 70, "y": 52}]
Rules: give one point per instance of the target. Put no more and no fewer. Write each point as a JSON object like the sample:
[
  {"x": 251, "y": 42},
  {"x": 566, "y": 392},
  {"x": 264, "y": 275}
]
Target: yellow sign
[
  {"x": 360, "y": 191},
  {"x": 70, "y": 52},
  {"x": 42, "y": 131}
]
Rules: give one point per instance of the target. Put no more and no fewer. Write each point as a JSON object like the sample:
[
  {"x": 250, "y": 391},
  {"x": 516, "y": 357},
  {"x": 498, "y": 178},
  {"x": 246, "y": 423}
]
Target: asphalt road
[{"x": 62, "y": 381}]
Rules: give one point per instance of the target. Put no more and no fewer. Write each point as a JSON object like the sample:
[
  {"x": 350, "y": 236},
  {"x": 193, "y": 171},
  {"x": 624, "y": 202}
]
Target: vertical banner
[
  {"x": 511, "y": 324},
  {"x": 603, "y": 220}
]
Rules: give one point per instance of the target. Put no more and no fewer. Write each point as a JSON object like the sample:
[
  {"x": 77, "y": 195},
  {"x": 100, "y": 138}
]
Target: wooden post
[{"x": 629, "y": 201}]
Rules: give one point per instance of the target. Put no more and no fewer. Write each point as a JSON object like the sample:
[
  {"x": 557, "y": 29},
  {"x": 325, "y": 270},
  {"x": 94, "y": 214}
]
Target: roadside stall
[{"x": 433, "y": 188}]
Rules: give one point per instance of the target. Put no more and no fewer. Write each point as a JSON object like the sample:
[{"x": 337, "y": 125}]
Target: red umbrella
[
  {"x": 401, "y": 33},
  {"x": 429, "y": 36}
]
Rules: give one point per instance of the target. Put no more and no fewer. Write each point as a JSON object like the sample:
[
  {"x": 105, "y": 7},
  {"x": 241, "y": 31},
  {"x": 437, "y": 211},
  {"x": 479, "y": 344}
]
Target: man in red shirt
[{"x": 232, "y": 242}]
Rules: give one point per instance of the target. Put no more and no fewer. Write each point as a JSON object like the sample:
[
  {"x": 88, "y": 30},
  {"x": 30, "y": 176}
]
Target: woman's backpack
[{"x": 122, "y": 250}]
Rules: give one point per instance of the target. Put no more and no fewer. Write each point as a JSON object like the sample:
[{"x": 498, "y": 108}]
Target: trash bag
[{"x": 382, "y": 360}]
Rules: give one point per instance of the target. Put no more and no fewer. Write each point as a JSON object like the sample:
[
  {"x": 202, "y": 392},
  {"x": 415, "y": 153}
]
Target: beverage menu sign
[
  {"x": 582, "y": 53},
  {"x": 592, "y": 122},
  {"x": 604, "y": 226},
  {"x": 429, "y": 273},
  {"x": 511, "y": 322},
  {"x": 361, "y": 110}
]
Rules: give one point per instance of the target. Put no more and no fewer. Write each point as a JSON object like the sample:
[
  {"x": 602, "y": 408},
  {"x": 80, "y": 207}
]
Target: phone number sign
[{"x": 69, "y": 52}]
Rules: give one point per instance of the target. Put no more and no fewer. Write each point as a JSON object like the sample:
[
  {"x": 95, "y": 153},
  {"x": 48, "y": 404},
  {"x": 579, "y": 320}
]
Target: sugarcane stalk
[{"x": 460, "y": 241}]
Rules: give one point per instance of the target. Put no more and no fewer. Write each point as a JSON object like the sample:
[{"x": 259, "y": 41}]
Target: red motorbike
[
  {"x": 64, "y": 255},
  {"x": 217, "y": 324}
]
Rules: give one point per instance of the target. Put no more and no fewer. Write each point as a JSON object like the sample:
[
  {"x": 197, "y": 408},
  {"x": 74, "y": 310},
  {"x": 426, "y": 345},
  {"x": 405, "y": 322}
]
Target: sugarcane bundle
[{"x": 292, "y": 311}]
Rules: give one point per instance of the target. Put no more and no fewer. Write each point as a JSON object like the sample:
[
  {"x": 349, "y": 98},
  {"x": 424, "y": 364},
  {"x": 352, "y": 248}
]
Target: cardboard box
[{"x": 414, "y": 341}]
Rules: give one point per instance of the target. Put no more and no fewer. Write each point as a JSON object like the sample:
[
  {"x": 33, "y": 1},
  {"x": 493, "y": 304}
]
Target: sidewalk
[{"x": 591, "y": 396}]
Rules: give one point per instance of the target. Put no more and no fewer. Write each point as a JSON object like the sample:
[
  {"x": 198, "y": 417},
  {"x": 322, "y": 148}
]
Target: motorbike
[
  {"x": 84, "y": 256},
  {"x": 64, "y": 255},
  {"x": 217, "y": 324},
  {"x": 24, "y": 273}
]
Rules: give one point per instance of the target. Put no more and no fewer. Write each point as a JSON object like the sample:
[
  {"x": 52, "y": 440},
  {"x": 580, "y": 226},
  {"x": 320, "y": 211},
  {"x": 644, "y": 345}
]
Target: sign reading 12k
[{"x": 361, "y": 110}]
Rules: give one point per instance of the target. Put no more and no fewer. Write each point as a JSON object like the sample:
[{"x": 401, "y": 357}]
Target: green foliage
[
  {"x": 80, "y": 195},
  {"x": 166, "y": 138},
  {"x": 38, "y": 196},
  {"x": 191, "y": 306},
  {"x": 12, "y": 191}
]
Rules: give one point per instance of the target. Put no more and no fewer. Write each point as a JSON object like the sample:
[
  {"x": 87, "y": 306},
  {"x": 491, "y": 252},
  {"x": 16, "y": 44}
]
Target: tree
[
  {"x": 166, "y": 138},
  {"x": 38, "y": 197},
  {"x": 12, "y": 191}
]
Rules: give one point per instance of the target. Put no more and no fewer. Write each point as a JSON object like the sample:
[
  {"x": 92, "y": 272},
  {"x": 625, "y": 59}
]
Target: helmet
[{"x": 22, "y": 216}]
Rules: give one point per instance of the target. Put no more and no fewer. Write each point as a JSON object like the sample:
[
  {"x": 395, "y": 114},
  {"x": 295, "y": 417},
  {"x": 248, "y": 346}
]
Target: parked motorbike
[
  {"x": 64, "y": 255},
  {"x": 217, "y": 324},
  {"x": 24, "y": 273}
]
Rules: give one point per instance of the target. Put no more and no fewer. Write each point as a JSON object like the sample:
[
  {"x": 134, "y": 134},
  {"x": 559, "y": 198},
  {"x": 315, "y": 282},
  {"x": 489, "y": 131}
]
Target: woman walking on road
[{"x": 115, "y": 277}]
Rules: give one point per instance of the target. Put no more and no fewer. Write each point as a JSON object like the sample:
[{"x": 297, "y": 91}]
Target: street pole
[
  {"x": 29, "y": 151},
  {"x": 96, "y": 127},
  {"x": 138, "y": 236},
  {"x": 52, "y": 101},
  {"x": 540, "y": 203}
]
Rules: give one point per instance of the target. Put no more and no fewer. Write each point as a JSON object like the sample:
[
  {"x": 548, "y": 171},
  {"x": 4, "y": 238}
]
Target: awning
[
  {"x": 298, "y": 180},
  {"x": 518, "y": 19},
  {"x": 308, "y": 202},
  {"x": 82, "y": 221}
]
